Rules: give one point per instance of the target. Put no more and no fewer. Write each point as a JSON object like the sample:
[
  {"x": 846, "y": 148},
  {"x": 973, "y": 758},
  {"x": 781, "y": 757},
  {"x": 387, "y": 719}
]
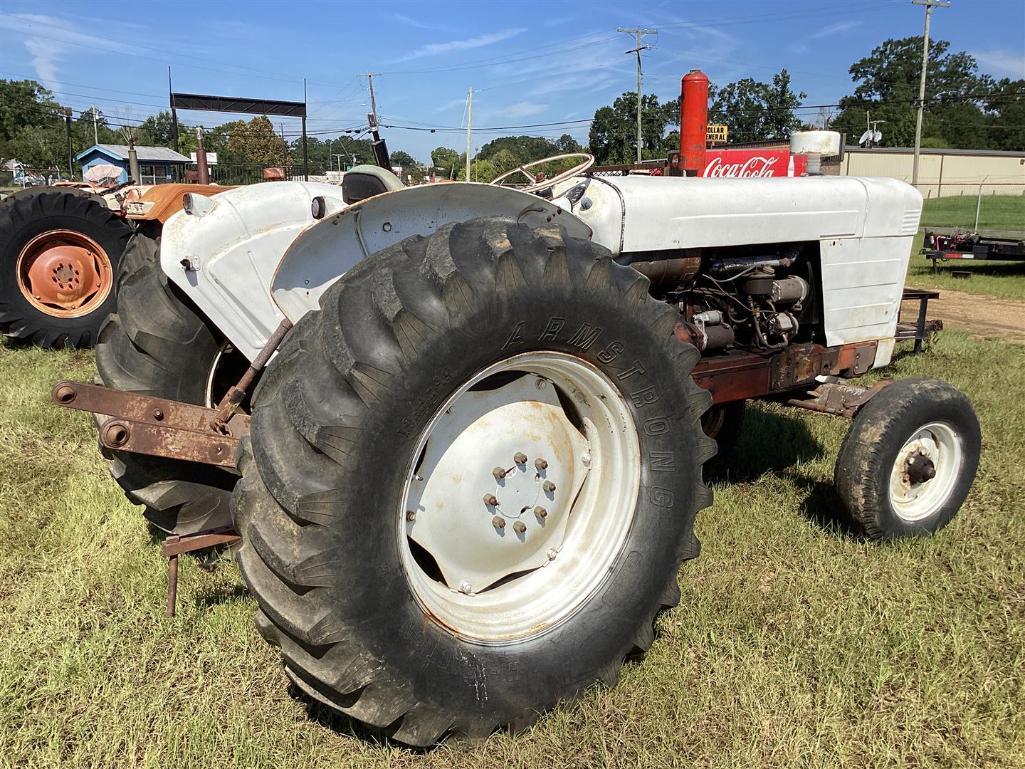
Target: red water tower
[{"x": 693, "y": 122}]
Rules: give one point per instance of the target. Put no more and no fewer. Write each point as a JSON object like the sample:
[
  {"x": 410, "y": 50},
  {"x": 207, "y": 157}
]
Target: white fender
[
  {"x": 223, "y": 256},
  {"x": 326, "y": 251}
]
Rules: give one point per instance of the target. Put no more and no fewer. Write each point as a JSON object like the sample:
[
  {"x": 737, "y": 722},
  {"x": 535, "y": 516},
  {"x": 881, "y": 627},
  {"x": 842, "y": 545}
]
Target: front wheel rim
[
  {"x": 519, "y": 498},
  {"x": 926, "y": 471}
]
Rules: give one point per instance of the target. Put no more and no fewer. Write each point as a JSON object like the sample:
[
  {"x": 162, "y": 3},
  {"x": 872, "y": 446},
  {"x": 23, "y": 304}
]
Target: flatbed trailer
[{"x": 943, "y": 243}]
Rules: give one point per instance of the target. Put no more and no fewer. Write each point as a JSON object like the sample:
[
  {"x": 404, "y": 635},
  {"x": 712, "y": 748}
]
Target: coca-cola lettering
[
  {"x": 753, "y": 167},
  {"x": 753, "y": 163}
]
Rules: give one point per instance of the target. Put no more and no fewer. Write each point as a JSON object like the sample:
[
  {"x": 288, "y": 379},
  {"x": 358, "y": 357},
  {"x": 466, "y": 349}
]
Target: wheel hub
[
  {"x": 64, "y": 273},
  {"x": 920, "y": 468},
  {"x": 474, "y": 503},
  {"x": 925, "y": 471}
]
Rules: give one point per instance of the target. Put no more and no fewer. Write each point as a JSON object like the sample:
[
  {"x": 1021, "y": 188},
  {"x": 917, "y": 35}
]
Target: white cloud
[
  {"x": 1002, "y": 62},
  {"x": 835, "y": 29},
  {"x": 409, "y": 21},
  {"x": 49, "y": 40},
  {"x": 522, "y": 109},
  {"x": 480, "y": 41},
  {"x": 451, "y": 105},
  {"x": 587, "y": 82}
]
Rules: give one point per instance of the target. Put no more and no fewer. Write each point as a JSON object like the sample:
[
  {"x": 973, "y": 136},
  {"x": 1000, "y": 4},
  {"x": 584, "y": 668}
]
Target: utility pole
[
  {"x": 929, "y": 5},
  {"x": 639, "y": 34},
  {"x": 96, "y": 133},
  {"x": 380, "y": 147},
  {"x": 202, "y": 170},
  {"x": 469, "y": 129},
  {"x": 306, "y": 150},
  {"x": 71, "y": 157}
]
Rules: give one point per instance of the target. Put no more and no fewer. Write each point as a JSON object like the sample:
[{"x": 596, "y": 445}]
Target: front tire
[
  {"x": 444, "y": 342},
  {"x": 909, "y": 459}
]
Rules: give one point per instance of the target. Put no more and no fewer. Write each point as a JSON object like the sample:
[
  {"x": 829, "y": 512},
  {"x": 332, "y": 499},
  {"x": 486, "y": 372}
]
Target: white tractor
[{"x": 461, "y": 429}]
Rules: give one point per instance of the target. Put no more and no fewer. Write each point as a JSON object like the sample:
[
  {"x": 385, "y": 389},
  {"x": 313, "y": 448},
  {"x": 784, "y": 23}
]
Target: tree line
[{"x": 964, "y": 108}]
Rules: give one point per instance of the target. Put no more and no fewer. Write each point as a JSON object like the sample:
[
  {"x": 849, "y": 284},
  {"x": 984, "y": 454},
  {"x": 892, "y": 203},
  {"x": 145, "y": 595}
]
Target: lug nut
[
  {"x": 498, "y": 522},
  {"x": 491, "y": 500},
  {"x": 158, "y": 414},
  {"x": 465, "y": 587},
  {"x": 541, "y": 464},
  {"x": 540, "y": 512},
  {"x": 499, "y": 473},
  {"x": 520, "y": 458},
  {"x": 552, "y": 552},
  {"x": 548, "y": 486},
  {"x": 411, "y": 515},
  {"x": 520, "y": 527}
]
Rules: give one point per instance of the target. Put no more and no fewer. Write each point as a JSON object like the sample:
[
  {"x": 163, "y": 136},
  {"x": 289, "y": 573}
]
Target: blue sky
[{"x": 528, "y": 62}]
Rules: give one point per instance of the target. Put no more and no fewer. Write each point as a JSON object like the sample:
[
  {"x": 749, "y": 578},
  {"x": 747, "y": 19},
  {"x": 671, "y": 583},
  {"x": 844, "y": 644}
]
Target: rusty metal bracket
[
  {"x": 232, "y": 400},
  {"x": 146, "y": 425},
  {"x": 839, "y": 399},
  {"x": 174, "y": 546}
]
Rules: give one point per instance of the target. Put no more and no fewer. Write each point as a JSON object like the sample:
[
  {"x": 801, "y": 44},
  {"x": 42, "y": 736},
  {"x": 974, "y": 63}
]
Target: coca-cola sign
[{"x": 753, "y": 163}]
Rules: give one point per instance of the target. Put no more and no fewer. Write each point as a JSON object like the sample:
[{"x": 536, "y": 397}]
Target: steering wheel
[{"x": 536, "y": 185}]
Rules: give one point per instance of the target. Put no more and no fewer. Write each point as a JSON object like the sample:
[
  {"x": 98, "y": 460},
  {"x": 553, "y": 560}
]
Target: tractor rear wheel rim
[
  {"x": 64, "y": 273},
  {"x": 520, "y": 496},
  {"x": 915, "y": 495}
]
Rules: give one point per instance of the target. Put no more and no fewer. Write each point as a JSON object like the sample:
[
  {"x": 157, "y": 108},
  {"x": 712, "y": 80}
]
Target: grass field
[
  {"x": 796, "y": 643},
  {"x": 1002, "y": 279},
  {"x": 998, "y": 212}
]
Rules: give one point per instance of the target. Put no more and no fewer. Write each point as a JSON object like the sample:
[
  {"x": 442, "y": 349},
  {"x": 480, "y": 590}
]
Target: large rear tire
[
  {"x": 488, "y": 360},
  {"x": 60, "y": 250},
  {"x": 157, "y": 344}
]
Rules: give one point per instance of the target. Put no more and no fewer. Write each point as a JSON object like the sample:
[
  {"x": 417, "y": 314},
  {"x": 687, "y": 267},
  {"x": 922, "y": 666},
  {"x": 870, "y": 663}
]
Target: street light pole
[{"x": 929, "y": 5}]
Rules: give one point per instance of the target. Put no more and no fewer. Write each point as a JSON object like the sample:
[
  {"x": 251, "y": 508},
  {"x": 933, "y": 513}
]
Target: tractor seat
[{"x": 362, "y": 182}]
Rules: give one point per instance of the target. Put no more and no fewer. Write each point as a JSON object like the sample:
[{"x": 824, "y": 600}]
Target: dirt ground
[{"x": 983, "y": 316}]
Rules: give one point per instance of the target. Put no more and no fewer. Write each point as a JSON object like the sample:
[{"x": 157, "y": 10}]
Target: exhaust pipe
[{"x": 693, "y": 122}]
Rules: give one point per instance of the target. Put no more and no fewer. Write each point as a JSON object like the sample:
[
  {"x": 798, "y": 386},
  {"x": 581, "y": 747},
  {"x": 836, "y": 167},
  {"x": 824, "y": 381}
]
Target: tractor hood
[{"x": 645, "y": 213}]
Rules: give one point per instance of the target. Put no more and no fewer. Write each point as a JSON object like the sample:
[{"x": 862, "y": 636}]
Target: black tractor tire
[
  {"x": 723, "y": 423},
  {"x": 336, "y": 420},
  {"x": 875, "y": 443},
  {"x": 29, "y": 214},
  {"x": 158, "y": 344}
]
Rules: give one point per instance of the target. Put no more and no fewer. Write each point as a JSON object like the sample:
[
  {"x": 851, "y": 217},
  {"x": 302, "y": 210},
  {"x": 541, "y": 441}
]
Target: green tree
[
  {"x": 1005, "y": 108},
  {"x": 445, "y": 161},
  {"x": 886, "y": 85},
  {"x": 567, "y": 143},
  {"x": 256, "y": 142},
  {"x": 23, "y": 104},
  {"x": 526, "y": 148},
  {"x": 613, "y": 135},
  {"x": 504, "y": 160},
  {"x": 481, "y": 170},
  {"x": 756, "y": 111},
  {"x": 412, "y": 172}
]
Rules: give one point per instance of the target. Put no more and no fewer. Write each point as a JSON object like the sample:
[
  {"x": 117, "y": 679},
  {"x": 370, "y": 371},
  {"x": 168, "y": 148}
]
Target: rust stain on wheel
[{"x": 64, "y": 273}]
